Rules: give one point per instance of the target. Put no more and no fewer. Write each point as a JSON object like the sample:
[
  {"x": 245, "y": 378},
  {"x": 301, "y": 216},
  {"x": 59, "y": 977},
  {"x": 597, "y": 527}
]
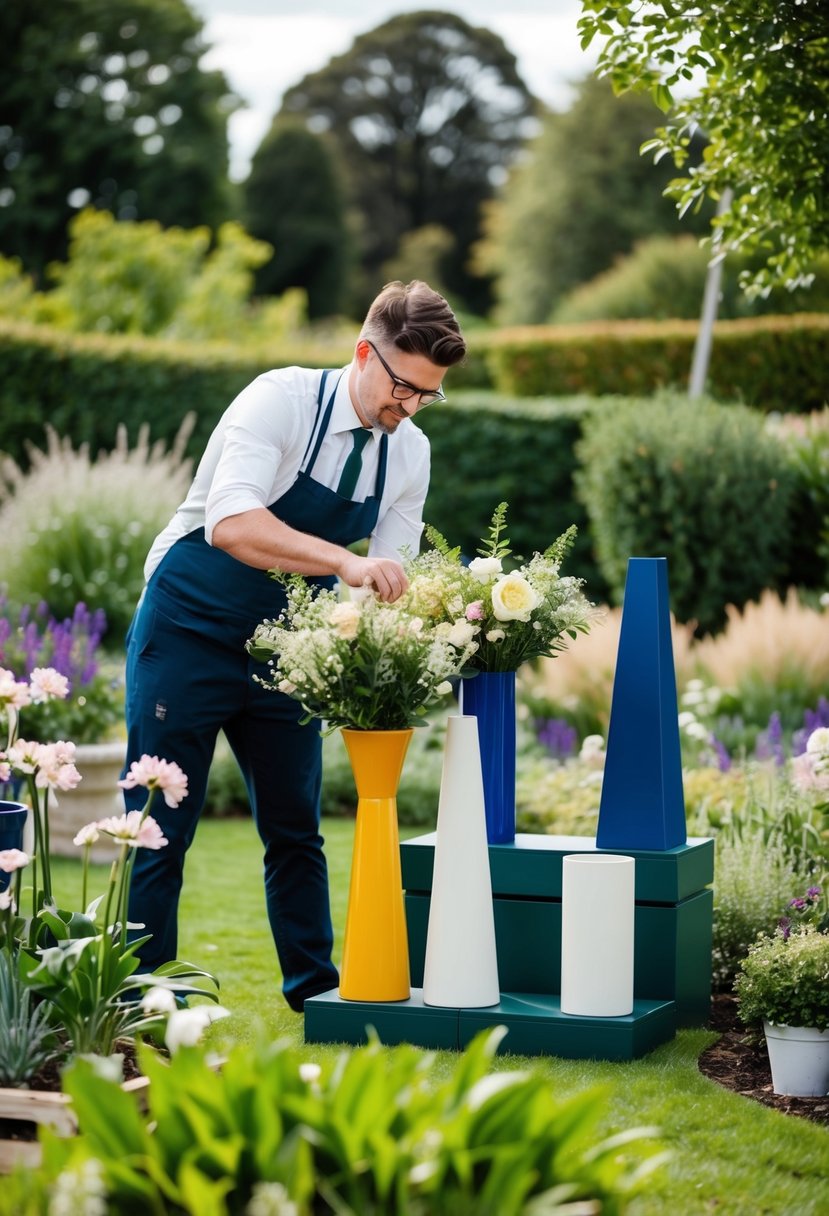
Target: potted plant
[
  {"x": 784, "y": 984},
  {"x": 69, "y": 985},
  {"x": 372, "y": 670},
  {"x": 91, "y": 713}
]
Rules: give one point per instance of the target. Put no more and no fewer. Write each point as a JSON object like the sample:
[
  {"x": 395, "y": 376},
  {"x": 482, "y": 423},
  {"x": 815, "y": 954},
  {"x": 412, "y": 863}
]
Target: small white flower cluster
[{"x": 810, "y": 770}]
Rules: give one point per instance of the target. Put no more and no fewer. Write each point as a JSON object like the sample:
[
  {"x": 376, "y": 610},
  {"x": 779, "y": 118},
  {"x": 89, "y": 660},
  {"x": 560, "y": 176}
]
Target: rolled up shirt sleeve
[{"x": 258, "y": 428}]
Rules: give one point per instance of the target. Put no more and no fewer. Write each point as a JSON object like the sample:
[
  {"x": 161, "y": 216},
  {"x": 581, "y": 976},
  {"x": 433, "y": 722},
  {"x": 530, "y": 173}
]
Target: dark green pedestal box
[
  {"x": 672, "y": 918},
  {"x": 535, "y": 1025}
]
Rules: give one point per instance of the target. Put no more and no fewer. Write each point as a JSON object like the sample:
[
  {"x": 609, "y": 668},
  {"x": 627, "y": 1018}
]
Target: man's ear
[{"x": 361, "y": 352}]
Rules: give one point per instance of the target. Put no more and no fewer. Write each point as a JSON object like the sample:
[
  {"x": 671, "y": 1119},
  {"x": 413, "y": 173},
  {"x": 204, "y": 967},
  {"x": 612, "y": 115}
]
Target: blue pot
[
  {"x": 12, "y": 821},
  {"x": 490, "y": 696}
]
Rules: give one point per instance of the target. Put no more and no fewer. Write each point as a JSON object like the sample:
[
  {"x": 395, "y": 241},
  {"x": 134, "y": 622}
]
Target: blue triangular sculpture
[{"x": 642, "y": 804}]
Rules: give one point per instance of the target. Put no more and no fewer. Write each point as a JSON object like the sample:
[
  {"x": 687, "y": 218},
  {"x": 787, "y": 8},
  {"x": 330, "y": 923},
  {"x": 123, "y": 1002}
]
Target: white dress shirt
[{"x": 258, "y": 447}]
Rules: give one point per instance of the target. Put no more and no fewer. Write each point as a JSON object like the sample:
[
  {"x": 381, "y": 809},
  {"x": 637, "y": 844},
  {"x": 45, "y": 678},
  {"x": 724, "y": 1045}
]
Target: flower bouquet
[
  {"x": 504, "y": 618},
  {"x": 359, "y": 665}
]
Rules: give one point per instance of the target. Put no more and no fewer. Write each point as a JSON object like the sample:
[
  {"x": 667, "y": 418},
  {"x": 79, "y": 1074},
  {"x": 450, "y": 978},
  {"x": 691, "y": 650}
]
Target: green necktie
[{"x": 351, "y": 468}]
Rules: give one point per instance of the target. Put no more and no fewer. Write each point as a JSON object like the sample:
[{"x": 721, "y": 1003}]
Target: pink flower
[
  {"x": 24, "y": 756},
  {"x": 132, "y": 829},
  {"x": 475, "y": 611},
  {"x": 45, "y": 683},
  {"x": 88, "y": 834},
  {"x": 5, "y": 771},
  {"x": 807, "y": 775},
  {"x": 13, "y": 859},
  {"x": 56, "y": 766},
  {"x": 14, "y": 693},
  {"x": 155, "y": 774}
]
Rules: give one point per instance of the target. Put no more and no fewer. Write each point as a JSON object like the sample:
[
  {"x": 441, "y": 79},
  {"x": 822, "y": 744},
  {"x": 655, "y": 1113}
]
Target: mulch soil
[
  {"x": 735, "y": 1061},
  {"x": 740, "y": 1064}
]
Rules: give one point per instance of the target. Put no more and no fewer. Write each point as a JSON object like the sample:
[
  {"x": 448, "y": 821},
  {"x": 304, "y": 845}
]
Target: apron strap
[{"x": 319, "y": 427}]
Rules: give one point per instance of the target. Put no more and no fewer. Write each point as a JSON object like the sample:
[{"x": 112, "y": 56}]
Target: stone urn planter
[{"x": 96, "y": 797}]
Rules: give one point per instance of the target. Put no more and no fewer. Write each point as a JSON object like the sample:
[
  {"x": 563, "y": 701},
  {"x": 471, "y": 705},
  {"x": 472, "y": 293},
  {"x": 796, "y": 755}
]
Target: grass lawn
[{"x": 730, "y": 1156}]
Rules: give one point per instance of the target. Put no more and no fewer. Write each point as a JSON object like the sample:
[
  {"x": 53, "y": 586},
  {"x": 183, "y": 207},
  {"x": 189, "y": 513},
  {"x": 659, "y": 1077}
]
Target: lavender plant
[{"x": 31, "y": 637}]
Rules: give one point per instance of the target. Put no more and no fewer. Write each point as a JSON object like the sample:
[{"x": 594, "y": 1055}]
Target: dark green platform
[
  {"x": 535, "y": 1025},
  {"x": 673, "y": 916}
]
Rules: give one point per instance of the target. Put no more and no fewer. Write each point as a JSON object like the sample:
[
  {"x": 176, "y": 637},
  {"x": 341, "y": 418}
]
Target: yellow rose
[{"x": 513, "y": 599}]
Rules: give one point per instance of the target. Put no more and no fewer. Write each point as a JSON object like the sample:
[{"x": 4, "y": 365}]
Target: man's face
[{"x": 380, "y": 377}]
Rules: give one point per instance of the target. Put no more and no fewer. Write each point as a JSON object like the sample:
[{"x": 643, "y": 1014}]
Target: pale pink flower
[
  {"x": 475, "y": 611},
  {"x": 56, "y": 767},
  {"x": 45, "y": 683},
  {"x": 131, "y": 828},
  {"x": 88, "y": 834},
  {"x": 807, "y": 774},
  {"x": 14, "y": 693},
  {"x": 13, "y": 859},
  {"x": 7, "y": 900},
  {"x": 155, "y": 774},
  {"x": 5, "y": 770},
  {"x": 24, "y": 756}
]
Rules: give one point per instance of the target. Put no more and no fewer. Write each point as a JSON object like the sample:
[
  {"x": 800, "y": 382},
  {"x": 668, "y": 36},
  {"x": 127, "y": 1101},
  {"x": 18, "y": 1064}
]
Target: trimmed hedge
[{"x": 772, "y": 363}]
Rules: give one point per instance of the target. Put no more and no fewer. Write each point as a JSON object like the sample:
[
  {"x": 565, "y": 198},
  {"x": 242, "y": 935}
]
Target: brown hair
[{"x": 417, "y": 320}]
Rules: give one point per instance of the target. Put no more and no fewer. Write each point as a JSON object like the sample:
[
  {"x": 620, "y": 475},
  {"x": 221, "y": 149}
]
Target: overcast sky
[{"x": 265, "y": 46}]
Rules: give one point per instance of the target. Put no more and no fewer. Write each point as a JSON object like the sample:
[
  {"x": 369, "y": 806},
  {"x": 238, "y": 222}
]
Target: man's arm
[{"x": 259, "y": 539}]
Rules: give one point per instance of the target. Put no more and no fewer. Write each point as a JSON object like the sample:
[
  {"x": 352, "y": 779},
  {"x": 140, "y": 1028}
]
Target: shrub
[
  {"x": 369, "y": 1133},
  {"x": 77, "y": 529},
  {"x": 784, "y": 980},
  {"x": 696, "y": 482},
  {"x": 753, "y": 882},
  {"x": 806, "y": 439},
  {"x": 773, "y": 363},
  {"x": 665, "y": 276}
]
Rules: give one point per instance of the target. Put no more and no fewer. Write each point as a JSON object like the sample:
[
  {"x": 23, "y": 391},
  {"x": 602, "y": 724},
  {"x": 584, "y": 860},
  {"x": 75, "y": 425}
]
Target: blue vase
[
  {"x": 12, "y": 821},
  {"x": 490, "y": 696}
]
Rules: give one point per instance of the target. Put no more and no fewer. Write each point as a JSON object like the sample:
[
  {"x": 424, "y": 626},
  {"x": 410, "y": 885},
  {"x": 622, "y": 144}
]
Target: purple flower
[
  {"x": 785, "y": 927},
  {"x": 721, "y": 752},
  {"x": 799, "y": 903},
  {"x": 559, "y": 737},
  {"x": 814, "y": 892}
]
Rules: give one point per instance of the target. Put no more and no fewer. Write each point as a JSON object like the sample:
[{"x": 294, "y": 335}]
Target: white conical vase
[
  {"x": 799, "y": 1059},
  {"x": 461, "y": 968}
]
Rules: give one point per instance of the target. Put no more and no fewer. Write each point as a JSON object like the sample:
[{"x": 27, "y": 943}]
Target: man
[{"x": 300, "y": 466}]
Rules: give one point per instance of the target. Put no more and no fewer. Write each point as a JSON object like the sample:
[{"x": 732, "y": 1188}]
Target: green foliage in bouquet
[
  {"x": 361, "y": 665},
  {"x": 508, "y": 618},
  {"x": 369, "y": 1133}
]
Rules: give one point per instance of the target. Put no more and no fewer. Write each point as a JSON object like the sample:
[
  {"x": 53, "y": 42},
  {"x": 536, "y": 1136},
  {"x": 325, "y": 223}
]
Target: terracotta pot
[{"x": 375, "y": 963}]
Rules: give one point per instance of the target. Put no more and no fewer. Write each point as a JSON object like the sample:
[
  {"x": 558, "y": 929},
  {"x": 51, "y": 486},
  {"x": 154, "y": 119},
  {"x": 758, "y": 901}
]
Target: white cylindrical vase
[
  {"x": 597, "y": 908},
  {"x": 461, "y": 968}
]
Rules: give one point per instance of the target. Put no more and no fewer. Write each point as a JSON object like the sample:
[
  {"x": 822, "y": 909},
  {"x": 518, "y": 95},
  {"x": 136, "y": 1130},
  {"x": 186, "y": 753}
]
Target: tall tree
[
  {"x": 104, "y": 102},
  {"x": 295, "y": 200},
  {"x": 580, "y": 197},
  {"x": 426, "y": 111},
  {"x": 759, "y": 89}
]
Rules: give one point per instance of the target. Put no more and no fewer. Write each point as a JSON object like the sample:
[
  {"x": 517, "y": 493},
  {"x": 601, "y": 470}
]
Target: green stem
[{"x": 85, "y": 875}]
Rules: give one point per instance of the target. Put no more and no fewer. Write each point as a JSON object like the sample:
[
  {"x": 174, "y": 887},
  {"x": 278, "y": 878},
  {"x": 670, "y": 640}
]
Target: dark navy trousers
[{"x": 183, "y": 687}]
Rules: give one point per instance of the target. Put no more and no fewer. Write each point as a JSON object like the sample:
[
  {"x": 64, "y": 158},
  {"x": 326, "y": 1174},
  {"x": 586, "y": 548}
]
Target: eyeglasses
[{"x": 402, "y": 390}]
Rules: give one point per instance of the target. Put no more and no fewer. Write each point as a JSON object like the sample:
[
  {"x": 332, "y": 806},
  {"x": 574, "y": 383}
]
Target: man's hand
[{"x": 385, "y": 576}]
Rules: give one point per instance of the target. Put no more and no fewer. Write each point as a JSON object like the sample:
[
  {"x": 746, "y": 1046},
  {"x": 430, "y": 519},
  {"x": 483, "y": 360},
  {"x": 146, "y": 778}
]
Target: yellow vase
[{"x": 375, "y": 964}]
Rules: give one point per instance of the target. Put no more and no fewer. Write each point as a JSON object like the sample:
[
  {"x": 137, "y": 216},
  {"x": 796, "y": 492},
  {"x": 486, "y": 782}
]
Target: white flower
[
  {"x": 309, "y": 1072},
  {"x": 443, "y": 688},
  {"x": 696, "y": 730},
  {"x": 80, "y": 1191},
  {"x": 345, "y": 618},
  {"x": 13, "y": 859},
  {"x": 818, "y": 742},
  {"x": 686, "y": 718},
  {"x": 186, "y": 1026},
  {"x": 88, "y": 834},
  {"x": 158, "y": 1000},
  {"x": 134, "y": 829},
  {"x": 45, "y": 684},
  {"x": 495, "y": 635},
  {"x": 461, "y": 633},
  {"x": 270, "y": 1199},
  {"x": 485, "y": 569},
  {"x": 513, "y": 599},
  {"x": 6, "y": 900}
]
